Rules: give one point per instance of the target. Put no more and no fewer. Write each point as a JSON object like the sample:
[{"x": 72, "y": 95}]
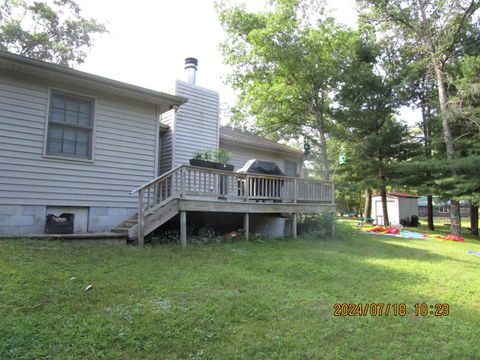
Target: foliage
[
  {"x": 285, "y": 63},
  {"x": 319, "y": 226},
  {"x": 270, "y": 296},
  {"x": 373, "y": 139},
  {"x": 438, "y": 32},
  {"x": 221, "y": 156},
  {"x": 53, "y": 31}
]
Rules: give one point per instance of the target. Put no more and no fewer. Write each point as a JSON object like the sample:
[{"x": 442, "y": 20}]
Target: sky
[{"x": 149, "y": 40}]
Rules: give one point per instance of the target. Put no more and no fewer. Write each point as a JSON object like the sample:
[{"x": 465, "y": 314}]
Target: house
[
  {"x": 400, "y": 207},
  {"x": 116, "y": 155},
  {"x": 441, "y": 208},
  {"x": 245, "y": 146}
]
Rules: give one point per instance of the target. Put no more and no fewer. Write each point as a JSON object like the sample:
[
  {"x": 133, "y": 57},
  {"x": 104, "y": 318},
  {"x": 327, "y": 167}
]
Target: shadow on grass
[{"x": 273, "y": 299}]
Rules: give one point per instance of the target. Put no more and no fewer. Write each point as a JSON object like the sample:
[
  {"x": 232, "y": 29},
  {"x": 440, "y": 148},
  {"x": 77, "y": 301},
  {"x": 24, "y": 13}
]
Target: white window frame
[
  {"x": 73, "y": 94},
  {"x": 443, "y": 210}
]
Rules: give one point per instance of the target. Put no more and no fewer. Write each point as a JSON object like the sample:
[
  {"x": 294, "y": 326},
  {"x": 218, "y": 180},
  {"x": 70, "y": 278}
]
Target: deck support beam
[
  {"x": 294, "y": 225},
  {"x": 183, "y": 228},
  {"x": 246, "y": 226}
]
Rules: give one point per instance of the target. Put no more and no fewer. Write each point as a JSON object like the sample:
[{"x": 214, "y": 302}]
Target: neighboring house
[
  {"x": 79, "y": 143},
  {"x": 441, "y": 208},
  {"x": 399, "y": 206}
]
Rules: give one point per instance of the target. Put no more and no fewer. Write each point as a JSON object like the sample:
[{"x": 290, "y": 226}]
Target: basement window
[{"x": 70, "y": 126}]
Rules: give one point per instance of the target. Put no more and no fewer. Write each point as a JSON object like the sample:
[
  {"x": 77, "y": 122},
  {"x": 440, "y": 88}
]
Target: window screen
[
  {"x": 291, "y": 168},
  {"x": 70, "y": 126}
]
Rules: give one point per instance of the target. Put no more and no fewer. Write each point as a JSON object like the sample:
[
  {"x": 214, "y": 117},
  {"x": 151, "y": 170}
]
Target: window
[
  {"x": 291, "y": 168},
  {"x": 70, "y": 126}
]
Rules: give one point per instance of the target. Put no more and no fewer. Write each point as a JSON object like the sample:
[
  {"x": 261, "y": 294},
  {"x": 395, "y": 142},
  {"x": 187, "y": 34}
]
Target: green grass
[{"x": 262, "y": 300}]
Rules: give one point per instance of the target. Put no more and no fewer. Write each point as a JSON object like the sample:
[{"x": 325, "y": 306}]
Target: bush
[{"x": 317, "y": 225}]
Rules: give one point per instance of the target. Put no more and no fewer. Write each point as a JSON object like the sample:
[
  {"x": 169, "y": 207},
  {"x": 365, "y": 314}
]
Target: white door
[{"x": 379, "y": 211}]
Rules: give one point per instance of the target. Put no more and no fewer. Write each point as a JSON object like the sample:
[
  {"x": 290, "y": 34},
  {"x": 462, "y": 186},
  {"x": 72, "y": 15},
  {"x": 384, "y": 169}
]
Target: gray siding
[
  {"x": 124, "y": 150},
  {"x": 196, "y": 122},
  {"x": 241, "y": 154},
  {"x": 166, "y": 142}
]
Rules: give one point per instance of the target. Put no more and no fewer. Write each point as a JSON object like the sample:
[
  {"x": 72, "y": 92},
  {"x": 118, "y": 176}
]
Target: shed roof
[
  {"x": 399, "y": 195},
  {"x": 62, "y": 74},
  {"x": 230, "y": 135}
]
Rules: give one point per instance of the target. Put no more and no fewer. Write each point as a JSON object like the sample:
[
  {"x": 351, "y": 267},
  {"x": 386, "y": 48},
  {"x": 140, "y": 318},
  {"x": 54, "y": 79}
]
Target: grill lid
[{"x": 261, "y": 167}]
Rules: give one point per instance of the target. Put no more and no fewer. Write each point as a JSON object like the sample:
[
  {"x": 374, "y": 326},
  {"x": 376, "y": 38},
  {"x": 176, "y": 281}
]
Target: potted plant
[
  {"x": 213, "y": 159},
  {"x": 222, "y": 159}
]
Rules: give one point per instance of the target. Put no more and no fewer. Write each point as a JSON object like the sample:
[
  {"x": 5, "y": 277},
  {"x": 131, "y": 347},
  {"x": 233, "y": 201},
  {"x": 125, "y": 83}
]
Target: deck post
[
  {"x": 183, "y": 228},
  {"x": 182, "y": 182},
  {"x": 247, "y": 187},
  {"x": 246, "y": 226},
  {"x": 295, "y": 190},
  {"x": 294, "y": 225},
  {"x": 141, "y": 224}
]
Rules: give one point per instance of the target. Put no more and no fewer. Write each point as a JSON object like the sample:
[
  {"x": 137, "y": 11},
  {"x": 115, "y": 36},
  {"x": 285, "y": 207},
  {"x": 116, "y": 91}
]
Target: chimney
[{"x": 191, "y": 67}]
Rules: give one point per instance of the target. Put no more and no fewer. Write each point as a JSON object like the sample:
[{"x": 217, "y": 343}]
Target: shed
[{"x": 400, "y": 206}]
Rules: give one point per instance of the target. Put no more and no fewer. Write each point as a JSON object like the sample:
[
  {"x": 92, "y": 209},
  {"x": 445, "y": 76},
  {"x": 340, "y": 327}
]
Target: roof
[
  {"x": 230, "y": 135},
  {"x": 62, "y": 74},
  {"x": 400, "y": 195}
]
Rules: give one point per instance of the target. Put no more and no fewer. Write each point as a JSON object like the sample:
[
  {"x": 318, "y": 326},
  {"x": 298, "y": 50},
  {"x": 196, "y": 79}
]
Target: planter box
[
  {"x": 211, "y": 165},
  {"x": 224, "y": 167}
]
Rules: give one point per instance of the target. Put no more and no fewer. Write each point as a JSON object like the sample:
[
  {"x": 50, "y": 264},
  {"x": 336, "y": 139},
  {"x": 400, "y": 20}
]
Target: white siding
[
  {"x": 124, "y": 150},
  {"x": 392, "y": 208},
  {"x": 241, "y": 154},
  {"x": 196, "y": 122}
]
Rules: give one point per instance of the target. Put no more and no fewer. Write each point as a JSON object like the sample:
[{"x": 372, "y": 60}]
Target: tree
[
  {"x": 53, "y": 31},
  {"x": 286, "y": 64},
  {"x": 365, "y": 112},
  {"x": 417, "y": 91},
  {"x": 434, "y": 29},
  {"x": 465, "y": 109}
]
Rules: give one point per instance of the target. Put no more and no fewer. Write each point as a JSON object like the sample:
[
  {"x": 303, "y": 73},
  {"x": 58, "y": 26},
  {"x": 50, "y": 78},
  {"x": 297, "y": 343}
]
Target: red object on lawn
[
  {"x": 378, "y": 229},
  {"x": 392, "y": 230},
  {"x": 454, "y": 238}
]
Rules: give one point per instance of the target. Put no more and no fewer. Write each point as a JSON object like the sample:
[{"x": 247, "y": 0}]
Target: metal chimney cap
[{"x": 191, "y": 62}]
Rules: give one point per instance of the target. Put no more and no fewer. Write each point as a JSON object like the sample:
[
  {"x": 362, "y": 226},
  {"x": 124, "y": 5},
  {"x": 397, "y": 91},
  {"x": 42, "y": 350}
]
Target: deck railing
[
  {"x": 196, "y": 182},
  {"x": 191, "y": 182}
]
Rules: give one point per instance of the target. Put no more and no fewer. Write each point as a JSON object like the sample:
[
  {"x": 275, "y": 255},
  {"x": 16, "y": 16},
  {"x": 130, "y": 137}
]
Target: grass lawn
[{"x": 260, "y": 300}]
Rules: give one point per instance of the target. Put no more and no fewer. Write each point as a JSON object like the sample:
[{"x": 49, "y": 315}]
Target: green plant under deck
[{"x": 261, "y": 300}]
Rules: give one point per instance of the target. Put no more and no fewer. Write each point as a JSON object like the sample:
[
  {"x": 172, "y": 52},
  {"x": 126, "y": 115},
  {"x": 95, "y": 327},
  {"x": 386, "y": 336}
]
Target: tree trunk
[
  {"x": 474, "y": 219},
  {"x": 323, "y": 149},
  {"x": 428, "y": 155},
  {"x": 443, "y": 100},
  {"x": 367, "y": 211},
  {"x": 319, "y": 116},
  {"x": 455, "y": 226},
  {"x": 430, "y": 212},
  {"x": 383, "y": 194}
]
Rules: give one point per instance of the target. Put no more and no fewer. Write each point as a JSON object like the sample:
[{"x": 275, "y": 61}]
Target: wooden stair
[{"x": 155, "y": 218}]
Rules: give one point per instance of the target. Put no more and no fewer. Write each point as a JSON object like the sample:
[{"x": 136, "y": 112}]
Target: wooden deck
[{"x": 188, "y": 188}]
